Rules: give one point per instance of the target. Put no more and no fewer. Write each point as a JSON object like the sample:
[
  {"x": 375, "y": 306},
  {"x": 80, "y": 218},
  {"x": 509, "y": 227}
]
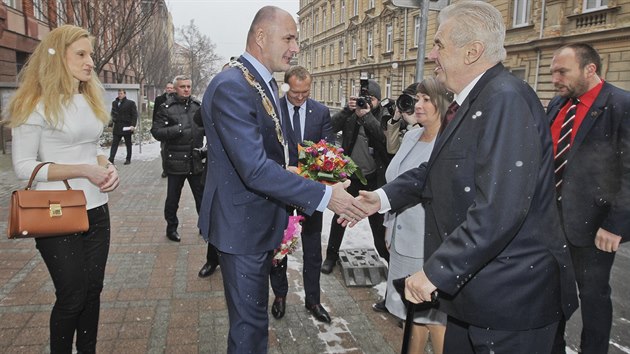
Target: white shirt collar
[
  {"x": 261, "y": 69},
  {"x": 461, "y": 97}
]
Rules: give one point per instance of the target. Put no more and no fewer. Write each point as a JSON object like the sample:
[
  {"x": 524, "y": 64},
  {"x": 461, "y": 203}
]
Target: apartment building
[{"x": 339, "y": 39}]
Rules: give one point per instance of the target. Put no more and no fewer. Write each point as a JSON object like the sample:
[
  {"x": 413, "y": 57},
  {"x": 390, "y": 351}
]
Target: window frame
[
  {"x": 522, "y": 11},
  {"x": 416, "y": 31},
  {"x": 389, "y": 38},
  {"x": 598, "y": 5}
]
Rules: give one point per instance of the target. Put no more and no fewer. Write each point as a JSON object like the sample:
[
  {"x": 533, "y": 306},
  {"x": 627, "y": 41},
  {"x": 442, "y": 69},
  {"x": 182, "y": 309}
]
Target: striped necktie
[{"x": 564, "y": 144}]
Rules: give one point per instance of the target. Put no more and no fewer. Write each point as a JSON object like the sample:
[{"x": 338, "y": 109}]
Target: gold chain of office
[{"x": 265, "y": 99}]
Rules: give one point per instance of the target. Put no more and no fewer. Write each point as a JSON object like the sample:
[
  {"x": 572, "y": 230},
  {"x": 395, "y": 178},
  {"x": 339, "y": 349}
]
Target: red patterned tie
[
  {"x": 451, "y": 111},
  {"x": 564, "y": 144}
]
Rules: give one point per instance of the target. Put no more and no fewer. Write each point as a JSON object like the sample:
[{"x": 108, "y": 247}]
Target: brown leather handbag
[{"x": 45, "y": 213}]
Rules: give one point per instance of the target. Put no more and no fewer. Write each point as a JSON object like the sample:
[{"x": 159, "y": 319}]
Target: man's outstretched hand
[
  {"x": 370, "y": 204},
  {"x": 345, "y": 205}
]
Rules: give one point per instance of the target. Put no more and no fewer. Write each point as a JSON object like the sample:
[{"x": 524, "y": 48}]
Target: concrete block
[{"x": 361, "y": 267}]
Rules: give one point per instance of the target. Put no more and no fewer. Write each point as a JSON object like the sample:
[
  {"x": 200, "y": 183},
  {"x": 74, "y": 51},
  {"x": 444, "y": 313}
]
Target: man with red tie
[{"x": 590, "y": 128}]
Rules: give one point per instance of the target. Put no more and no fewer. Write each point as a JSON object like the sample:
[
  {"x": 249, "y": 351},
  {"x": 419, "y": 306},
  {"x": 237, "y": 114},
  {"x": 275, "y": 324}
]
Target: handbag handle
[{"x": 36, "y": 169}]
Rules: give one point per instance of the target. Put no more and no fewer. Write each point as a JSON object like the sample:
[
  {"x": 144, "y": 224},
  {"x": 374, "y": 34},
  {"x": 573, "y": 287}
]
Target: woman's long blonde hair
[{"x": 46, "y": 78}]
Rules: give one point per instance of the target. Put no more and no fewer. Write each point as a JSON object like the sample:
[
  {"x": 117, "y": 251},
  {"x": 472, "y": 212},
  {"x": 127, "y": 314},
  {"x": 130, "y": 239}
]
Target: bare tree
[
  {"x": 149, "y": 54},
  {"x": 196, "y": 56},
  {"x": 114, "y": 24}
]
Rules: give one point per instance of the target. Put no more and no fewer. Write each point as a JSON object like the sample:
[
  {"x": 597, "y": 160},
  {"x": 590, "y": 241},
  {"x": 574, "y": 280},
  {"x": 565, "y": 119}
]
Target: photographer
[
  {"x": 364, "y": 141},
  {"x": 397, "y": 126}
]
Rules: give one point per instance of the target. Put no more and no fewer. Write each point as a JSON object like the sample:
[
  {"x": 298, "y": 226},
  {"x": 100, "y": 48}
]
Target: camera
[
  {"x": 388, "y": 104},
  {"x": 406, "y": 103},
  {"x": 364, "y": 98}
]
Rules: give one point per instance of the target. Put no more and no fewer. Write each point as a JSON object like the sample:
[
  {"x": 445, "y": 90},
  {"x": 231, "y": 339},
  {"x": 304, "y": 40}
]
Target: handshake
[{"x": 351, "y": 210}]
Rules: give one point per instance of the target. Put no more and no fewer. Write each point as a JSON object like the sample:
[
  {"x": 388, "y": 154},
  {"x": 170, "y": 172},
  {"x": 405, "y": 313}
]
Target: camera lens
[
  {"x": 406, "y": 103},
  {"x": 361, "y": 102}
]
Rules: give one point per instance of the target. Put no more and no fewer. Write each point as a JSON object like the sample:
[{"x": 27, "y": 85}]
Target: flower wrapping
[
  {"x": 326, "y": 163},
  {"x": 289, "y": 241}
]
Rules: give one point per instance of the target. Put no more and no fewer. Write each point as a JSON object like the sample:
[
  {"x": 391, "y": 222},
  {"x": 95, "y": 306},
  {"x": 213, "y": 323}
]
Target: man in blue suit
[
  {"x": 304, "y": 119},
  {"x": 592, "y": 183},
  {"x": 248, "y": 188}
]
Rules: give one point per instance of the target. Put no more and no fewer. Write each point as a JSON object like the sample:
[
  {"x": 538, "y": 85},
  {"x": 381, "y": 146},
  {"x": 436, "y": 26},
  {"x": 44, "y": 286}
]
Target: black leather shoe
[
  {"x": 173, "y": 236},
  {"x": 380, "y": 306},
  {"x": 279, "y": 307},
  {"x": 127, "y": 162},
  {"x": 319, "y": 312},
  {"x": 207, "y": 270},
  {"x": 328, "y": 265}
]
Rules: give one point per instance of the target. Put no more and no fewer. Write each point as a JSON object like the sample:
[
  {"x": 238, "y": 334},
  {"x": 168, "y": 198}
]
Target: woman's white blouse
[{"x": 74, "y": 141}]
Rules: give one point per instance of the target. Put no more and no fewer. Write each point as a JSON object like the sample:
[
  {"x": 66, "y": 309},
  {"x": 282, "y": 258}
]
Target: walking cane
[{"x": 399, "y": 285}]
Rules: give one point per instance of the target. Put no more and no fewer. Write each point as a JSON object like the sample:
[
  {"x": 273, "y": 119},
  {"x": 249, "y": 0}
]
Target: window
[
  {"x": 331, "y": 88},
  {"x": 13, "y": 3},
  {"x": 518, "y": 72},
  {"x": 343, "y": 10},
  {"x": 316, "y": 24},
  {"x": 354, "y": 48},
  {"x": 590, "y": 5},
  {"x": 416, "y": 31},
  {"x": 341, "y": 49},
  {"x": 389, "y": 32},
  {"x": 323, "y": 56},
  {"x": 315, "y": 89},
  {"x": 323, "y": 91},
  {"x": 356, "y": 8},
  {"x": 40, "y": 9},
  {"x": 323, "y": 20},
  {"x": 370, "y": 4},
  {"x": 353, "y": 88},
  {"x": 521, "y": 13},
  {"x": 61, "y": 18},
  {"x": 340, "y": 91},
  {"x": 388, "y": 87},
  {"x": 20, "y": 60},
  {"x": 369, "y": 44},
  {"x": 332, "y": 55},
  {"x": 315, "y": 58},
  {"x": 332, "y": 16}
]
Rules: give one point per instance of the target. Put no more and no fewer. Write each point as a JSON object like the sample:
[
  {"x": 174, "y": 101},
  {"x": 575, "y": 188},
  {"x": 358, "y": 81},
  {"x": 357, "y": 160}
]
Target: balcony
[{"x": 595, "y": 18}]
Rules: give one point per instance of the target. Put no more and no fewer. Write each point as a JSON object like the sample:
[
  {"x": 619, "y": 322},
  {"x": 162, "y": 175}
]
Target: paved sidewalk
[{"x": 153, "y": 301}]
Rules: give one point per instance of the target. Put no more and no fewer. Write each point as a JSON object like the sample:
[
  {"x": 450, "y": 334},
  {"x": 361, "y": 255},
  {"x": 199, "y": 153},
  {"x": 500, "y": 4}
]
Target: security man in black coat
[
  {"x": 125, "y": 117},
  {"x": 175, "y": 127}
]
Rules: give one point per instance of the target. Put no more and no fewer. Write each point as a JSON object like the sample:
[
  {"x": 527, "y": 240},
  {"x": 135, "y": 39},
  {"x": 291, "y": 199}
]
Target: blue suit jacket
[
  {"x": 596, "y": 180},
  {"x": 317, "y": 126},
  {"x": 247, "y": 186},
  {"x": 493, "y": 242}
]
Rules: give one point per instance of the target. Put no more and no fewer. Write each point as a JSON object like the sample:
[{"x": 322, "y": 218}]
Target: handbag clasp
[{"x": 55, "y": 210}]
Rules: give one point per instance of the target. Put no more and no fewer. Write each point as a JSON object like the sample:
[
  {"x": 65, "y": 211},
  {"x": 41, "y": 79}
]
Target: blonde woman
[{"x": 58, "y": 115}]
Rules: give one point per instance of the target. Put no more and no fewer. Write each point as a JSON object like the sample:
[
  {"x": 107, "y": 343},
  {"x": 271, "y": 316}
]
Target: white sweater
[{"x": 74, "y": 141}]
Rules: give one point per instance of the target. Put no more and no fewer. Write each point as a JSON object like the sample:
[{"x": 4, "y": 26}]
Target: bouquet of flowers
[
  {"x": 289, "y": 241},
  {"x": 326, "y": 163}
]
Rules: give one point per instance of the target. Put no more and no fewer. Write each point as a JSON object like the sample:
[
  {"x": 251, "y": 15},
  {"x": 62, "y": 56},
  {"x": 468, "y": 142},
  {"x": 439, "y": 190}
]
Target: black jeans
[
  {"x": 76, "y": 264},
  {"x": 376, "y": 223},
  {"x": 115, "y": 142},
  {"x": 174, "y": 192}
]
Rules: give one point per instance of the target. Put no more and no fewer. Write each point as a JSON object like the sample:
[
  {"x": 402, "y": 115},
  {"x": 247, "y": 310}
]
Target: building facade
[{"x": 339, "y": 39}]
